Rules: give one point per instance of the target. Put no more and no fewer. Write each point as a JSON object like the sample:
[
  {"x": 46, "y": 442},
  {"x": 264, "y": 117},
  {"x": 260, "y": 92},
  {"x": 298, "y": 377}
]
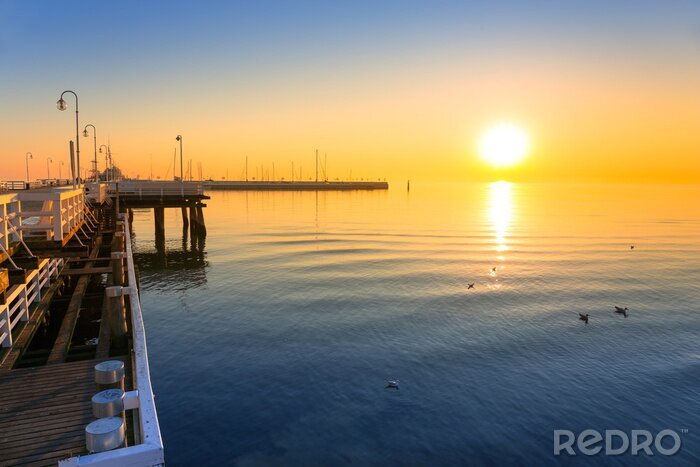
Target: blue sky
[{"x": 135, "y": 63}]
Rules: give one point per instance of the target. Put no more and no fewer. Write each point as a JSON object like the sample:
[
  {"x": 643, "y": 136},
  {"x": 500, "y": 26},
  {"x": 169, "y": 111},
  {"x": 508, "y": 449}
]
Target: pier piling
[
  {"x": 202, "y": 229},
  {"x": 185, "y": 223},
  {"x": 159, "y": 218}
]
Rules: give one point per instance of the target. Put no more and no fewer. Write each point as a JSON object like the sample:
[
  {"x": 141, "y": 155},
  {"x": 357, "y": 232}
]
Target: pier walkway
[
  {"x": 44, "y": 411},
  {"x": 69, "y": 299}
]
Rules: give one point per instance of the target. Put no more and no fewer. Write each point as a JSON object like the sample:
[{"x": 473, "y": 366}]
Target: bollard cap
[
  {"x": 108, "y": 403},
  {"x": 109, "y": 372},
  {"x": 105, "y": 434}
]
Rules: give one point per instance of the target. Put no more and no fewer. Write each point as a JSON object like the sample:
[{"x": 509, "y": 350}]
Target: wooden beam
[
  {"x": 86, "y": 271},
  {"x": 65, "y": 333}
]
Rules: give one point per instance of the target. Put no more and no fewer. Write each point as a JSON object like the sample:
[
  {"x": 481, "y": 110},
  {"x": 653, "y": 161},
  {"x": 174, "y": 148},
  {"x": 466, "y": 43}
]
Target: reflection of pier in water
[{"x": 179, "y": 269}]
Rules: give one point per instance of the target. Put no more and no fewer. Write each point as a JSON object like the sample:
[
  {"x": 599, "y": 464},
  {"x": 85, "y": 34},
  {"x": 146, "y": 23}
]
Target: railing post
[
  {"x": 17, "y": 224},
  {"x": 5, "y": 328},
  {"x": 25, "y": 299},
  {"x": 37, "y": 287},
  {"x": 3, "y": 226},
  {"x": 57, "y": 220}
]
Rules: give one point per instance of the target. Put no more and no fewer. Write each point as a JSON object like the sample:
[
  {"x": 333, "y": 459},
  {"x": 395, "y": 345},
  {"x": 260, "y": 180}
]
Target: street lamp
[
  {"x": 179, "y": 138},
  {"x": 48, "y": 168},
  {"x": 106, "y": 161},
  {"x": 27, "y": 157},
  {"x": 94, "y": 135},
  {"x": 60, "y": 163},
  {"x": 61, "y": 105}
]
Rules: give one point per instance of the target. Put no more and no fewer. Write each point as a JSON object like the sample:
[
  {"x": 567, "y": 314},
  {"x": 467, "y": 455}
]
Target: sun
[{"x": 504, "y": 145}]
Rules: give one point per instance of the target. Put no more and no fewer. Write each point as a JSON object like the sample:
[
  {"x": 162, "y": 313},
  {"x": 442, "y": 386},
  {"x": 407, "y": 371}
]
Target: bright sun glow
[{"x": 504, "y": 145}]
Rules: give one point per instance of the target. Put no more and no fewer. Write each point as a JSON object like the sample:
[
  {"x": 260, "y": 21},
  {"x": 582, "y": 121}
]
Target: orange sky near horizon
[{"x": 591, "y": 116}]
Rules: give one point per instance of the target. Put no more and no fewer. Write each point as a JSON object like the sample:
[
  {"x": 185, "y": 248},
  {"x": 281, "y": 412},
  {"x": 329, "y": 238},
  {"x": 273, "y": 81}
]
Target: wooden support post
[
  {"x": 200, "y": 221},
  {"x": 185, "y": 223},
  {"x": 159, "y": 218},
  {"x": 193, "y": 224}
]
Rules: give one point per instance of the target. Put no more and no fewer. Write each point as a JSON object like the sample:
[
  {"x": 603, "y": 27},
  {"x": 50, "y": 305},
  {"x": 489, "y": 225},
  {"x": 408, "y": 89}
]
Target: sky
[{"x": 606, "y": 91}]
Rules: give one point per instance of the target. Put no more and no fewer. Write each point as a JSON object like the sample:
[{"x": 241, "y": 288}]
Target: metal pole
[
  {"x": 94, "y": 139},
  {"x": 77, "y": 137},
  {"x": 72, "y": 164},
  {"x": 62, "y": 106},
  {"x": 27, "y": 157},
  {"x": 182, "y": 178}
]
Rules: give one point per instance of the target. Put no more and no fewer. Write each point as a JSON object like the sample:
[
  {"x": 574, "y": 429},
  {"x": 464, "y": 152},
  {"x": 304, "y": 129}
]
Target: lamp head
[
  {"x": 61, "y": 104},
  {"x": 178, "y": 138},
  {"x": 30, "y": 156},
  {"x": 85, "y": 132}
]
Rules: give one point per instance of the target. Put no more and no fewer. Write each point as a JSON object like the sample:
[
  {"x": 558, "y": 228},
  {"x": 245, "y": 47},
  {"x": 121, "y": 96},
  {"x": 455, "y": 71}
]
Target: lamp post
[
  {"x": 179, "y": 138},
  {"x": 27, "y": 157},
  {"x": 60, "y": 163},
  {"x": 94, "y": 138},
  {"x": 61, "y": 105},
  {"x": 48, "y": 168},
  {"x": 106, "y": 161}
]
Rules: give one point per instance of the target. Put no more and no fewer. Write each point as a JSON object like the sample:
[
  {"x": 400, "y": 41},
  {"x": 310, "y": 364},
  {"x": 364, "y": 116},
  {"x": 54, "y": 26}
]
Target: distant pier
[{"x": 293, "y": 186}]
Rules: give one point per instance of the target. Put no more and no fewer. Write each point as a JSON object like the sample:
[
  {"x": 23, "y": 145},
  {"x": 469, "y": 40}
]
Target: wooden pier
[
  {"x": 284, "y": 185},
  {"x": 68, "y": 300},
  {"x": 44, "y": 411},
  {"x": 158, "y": 195}
]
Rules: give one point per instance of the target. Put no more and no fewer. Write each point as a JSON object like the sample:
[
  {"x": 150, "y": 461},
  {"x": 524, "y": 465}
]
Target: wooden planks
[
  {"x": 65, "y": 333},
  {"x": 44, "y": 411}
]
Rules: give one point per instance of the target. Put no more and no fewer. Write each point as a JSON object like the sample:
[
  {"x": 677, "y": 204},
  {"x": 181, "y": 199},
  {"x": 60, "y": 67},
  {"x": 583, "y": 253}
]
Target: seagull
[
  {"x": 583, "y": 317},
  {"x": 493, "y": 269},
  {"x": 392, "y": 384},
  {"x": 632, "y": 247},
  {"x": 470, "y": 286},
  {"x": 620, "y": 310}
]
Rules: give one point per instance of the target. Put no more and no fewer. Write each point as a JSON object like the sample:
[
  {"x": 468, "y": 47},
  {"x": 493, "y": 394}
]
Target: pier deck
[
  {"x": 63, "y": 310},
  {"x": 44, "y": 411}
]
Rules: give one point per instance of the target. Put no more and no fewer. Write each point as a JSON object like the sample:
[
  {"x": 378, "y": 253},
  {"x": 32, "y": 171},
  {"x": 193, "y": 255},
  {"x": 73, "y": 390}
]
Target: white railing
[
  {"x": 153, "y": 189},
  {"x": 20, "y": 297},
  {"x": 149, "y": 448},
  {"x": 96, "y": 193},
  {"x": 10, "y": 221},
  {"x": 62, "y": 212},
  {"x": 13, "y": 185}
]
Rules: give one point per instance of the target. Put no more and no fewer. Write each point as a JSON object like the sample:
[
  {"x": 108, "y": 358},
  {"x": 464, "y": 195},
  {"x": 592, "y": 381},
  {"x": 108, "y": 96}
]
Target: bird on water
[
  {"x": 392, "y": 384},
  {"x": 470, "y": 286},
  {"x": 583, "y": 317},
  {"x": 622, "y": 311}
]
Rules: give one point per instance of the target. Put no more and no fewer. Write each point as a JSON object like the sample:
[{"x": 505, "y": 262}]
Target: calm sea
[{"x": 270, "y": 344}]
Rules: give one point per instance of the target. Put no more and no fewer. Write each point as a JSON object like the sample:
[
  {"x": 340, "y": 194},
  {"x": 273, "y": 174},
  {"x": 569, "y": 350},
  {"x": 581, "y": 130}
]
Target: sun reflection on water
[{"x": 500, "y": 213}]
